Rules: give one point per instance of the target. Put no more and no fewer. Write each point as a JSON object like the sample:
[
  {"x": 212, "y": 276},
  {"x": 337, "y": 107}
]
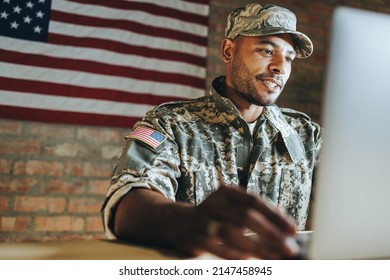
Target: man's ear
[{"x": 227, "y": 47}]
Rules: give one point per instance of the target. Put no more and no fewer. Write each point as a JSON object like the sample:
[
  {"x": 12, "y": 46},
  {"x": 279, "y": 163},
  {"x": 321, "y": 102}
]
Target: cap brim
[{"x": 303, "y": 44}]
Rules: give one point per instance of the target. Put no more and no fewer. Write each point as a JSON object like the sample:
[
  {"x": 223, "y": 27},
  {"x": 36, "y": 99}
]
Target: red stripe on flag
[
  {"x": 53, "y": 89},
  {"x": 129, "y": 25},
  {"x": 30, "y": 114},
  {"x": 100, "y": 68},
  {"x": 151, "y": 9},
  {"x": 206, "y": 2},
  {"x": 126, "y": 49}
]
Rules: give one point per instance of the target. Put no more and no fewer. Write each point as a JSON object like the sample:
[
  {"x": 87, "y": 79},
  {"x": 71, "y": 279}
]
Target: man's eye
[
  {"x": 290, "y": 59},
  {"x": 268, "y": 52}
]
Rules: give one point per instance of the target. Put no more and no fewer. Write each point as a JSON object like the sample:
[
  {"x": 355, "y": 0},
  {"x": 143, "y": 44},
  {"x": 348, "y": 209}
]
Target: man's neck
[{"x": 249, "y": 112}]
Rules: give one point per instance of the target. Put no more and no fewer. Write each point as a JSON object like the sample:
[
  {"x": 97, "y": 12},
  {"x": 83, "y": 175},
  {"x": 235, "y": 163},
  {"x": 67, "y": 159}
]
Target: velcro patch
[{"x": 147, "y": 135}]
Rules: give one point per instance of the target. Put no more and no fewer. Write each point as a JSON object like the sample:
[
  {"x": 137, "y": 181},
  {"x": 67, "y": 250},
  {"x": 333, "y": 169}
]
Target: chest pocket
[
  {"x": 288, "y": 186},
  {"x": 290, "y": 190},
  {"x": 295, "y": 190}
]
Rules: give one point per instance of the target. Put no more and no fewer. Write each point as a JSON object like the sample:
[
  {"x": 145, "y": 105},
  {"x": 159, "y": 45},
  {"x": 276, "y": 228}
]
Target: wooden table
[{"x": 82, "y": 250}]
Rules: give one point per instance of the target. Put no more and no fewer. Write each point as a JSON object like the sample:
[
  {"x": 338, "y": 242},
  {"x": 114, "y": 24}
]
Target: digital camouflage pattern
[
  {"x": 209, "y": 144},
  {"x": 257, "y": 20}
]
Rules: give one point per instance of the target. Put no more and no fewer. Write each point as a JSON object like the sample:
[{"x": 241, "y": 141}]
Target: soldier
[{"x": 197, "y": 175}]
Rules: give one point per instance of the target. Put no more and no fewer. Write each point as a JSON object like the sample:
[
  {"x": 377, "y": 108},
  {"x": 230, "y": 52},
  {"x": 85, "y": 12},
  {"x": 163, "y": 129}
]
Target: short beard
[{"x": 244, "y": 86}]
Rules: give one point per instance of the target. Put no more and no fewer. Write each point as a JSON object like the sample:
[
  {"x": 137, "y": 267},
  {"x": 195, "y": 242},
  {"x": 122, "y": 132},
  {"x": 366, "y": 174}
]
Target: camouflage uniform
[{"x": 205, "y": 143}]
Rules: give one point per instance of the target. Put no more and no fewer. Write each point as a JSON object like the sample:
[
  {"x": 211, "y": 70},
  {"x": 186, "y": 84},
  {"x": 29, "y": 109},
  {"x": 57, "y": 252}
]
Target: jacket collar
[
  {"x": 289, "y": 135},
  {"x": 278, "y": 123}
]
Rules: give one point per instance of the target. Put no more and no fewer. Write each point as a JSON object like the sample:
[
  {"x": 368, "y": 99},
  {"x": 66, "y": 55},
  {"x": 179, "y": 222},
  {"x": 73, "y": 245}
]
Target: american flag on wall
[{"x": 99, "y": 62}]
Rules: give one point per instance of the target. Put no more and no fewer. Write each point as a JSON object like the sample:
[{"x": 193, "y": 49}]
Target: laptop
[{"x": 352, "y": 198}]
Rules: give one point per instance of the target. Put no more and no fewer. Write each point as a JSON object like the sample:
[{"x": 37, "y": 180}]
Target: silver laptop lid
[{"x": 352, "y": 208}]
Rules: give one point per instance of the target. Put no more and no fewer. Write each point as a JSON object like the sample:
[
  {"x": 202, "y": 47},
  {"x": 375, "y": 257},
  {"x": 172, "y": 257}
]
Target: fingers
[
  {"x": 232, "y": 204},
  {"x": 242, "y": 201},
  {"x": 218, "y": 243},
  {"x": 256, "y": 248},
  {"x": 270, "y": 234},
  {"x": 235, "y": 210},
  {"x": 230, "y": 243}
]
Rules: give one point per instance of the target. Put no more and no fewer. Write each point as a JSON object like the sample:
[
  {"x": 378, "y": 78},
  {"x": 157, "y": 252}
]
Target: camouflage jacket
[{"x": 204, "y": 143}]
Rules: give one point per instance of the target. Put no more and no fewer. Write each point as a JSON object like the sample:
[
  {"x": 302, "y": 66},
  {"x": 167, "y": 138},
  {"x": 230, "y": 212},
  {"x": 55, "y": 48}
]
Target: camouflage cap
[{"x": 257, "y": 20}]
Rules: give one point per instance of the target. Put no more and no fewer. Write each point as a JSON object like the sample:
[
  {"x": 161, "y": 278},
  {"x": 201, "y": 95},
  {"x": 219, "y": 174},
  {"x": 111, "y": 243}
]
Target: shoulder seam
[{"x": 289, "y": 111}]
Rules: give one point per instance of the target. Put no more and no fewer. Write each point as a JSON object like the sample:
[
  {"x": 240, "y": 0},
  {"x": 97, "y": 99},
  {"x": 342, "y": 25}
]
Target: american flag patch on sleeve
[{"x": 147, "y": 135}]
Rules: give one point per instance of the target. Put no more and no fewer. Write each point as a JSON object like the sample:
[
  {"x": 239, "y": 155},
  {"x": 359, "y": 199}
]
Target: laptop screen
[{"x": 352, "y": 204}]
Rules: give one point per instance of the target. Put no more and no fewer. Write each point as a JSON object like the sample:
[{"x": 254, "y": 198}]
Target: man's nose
[{"x": 278, "y": 65}]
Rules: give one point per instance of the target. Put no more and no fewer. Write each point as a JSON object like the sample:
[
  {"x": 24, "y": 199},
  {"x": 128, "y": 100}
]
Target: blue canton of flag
[
  {"x": 157, "y": 136},
  {"x": 23, "y": 19}
]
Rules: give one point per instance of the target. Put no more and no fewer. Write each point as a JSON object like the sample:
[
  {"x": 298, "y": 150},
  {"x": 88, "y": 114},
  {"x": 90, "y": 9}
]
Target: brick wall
[{"x": 53, "y": 178}]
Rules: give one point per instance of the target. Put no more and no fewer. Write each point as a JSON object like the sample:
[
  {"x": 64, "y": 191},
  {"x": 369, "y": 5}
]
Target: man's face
[{"x": 260, "y": 67}]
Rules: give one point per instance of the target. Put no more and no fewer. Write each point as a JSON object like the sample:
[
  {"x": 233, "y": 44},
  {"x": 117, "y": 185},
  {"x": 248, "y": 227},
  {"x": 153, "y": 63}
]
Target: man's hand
[{"x": 217, "y": 225}]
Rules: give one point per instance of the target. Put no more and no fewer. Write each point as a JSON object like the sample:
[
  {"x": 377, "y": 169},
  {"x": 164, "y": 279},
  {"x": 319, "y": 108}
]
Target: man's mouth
[{"x": 272, "y": 84}]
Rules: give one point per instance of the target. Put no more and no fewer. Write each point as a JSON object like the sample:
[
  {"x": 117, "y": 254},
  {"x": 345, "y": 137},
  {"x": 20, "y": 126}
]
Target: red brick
[
  {"x": 111, "y": 152},
  {"x": 319, "y": 59},
  {"x": 49, "y": 131},
  {"x": 36, "y": 204},
  {"x": 384, "y": 9},
  {"x": 55, "y": 205},
  {"x": 65, "y": 187},
  {"x": 5, "y": 166},
  {"x": 4, "y": 204},
  {"x": 10, "y": 127},
  {"x": 380, "y": 2},
  {"x": 99, "y": 135},
  {"x": 85, "y": 205},
  {"x": 305, "y": 18},
  {"x": 65, "y": 150},
  {"x": 99, "y": 186},
  {"x": 322, "y": 9},
  {"x": 14, "y": 224},
  {"x": 22, "y": 147},
  {"x": 87, "y": 169},
  {"x": 59, "y": 223},
  {"x": 38, "y": 167},
  {"x": 19, "y": 185},
  {"x": 94, "y": 224},
  {"x": 29, "y": 204}
]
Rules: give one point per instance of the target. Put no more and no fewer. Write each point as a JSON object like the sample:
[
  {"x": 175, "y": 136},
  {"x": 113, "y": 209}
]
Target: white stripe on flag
[
  {"x": 103, "y": 56},
  {"x": 199, "y": 9},
  {"x": 126, "y": 37},
  {"x": 73, "y": 104},
  {"x": 84, "y": 79},
  {"x": 137, "y": 16}
]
